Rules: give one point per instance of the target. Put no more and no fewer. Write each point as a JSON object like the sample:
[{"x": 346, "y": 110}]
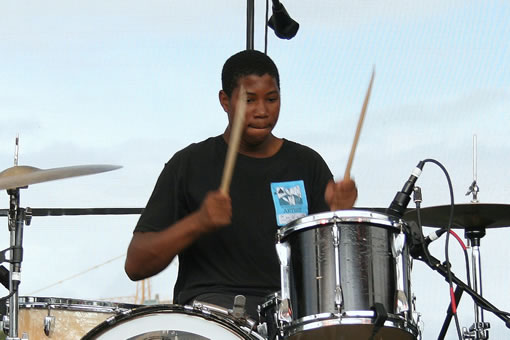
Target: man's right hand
[{"x": 215, "y": 211}]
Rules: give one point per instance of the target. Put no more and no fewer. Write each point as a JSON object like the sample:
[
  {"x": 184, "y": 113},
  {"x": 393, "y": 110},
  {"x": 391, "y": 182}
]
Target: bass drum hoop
[{"x": 126, "y": 316}]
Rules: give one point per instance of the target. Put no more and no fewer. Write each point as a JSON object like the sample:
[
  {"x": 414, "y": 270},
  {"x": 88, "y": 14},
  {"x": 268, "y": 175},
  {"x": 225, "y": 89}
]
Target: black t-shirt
[{"x": 239, "y": 258}]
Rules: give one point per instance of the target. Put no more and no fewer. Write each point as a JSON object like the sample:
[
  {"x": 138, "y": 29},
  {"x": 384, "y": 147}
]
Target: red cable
[
  {"x": 454, "y": 304},
  {"x": 458, "y": 239}
]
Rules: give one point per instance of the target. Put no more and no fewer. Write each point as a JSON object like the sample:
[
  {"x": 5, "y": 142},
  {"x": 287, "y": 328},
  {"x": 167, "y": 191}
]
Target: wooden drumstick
[
  {"x": 347, "y": 174},
  {"x": 233, "y": 144}
]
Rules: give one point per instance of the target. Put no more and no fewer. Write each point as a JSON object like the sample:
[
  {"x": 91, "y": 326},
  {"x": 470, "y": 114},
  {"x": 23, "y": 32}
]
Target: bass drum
[{"x": 174, "y": 322}]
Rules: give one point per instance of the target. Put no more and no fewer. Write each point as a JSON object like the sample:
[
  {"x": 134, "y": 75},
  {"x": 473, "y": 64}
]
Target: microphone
[
  {"x": 402, "y": 198},
  {"x": 283, "y": 25}
]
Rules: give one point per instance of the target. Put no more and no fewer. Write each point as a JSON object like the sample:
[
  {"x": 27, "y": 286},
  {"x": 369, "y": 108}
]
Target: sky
[{"x": 130, "y": 83}]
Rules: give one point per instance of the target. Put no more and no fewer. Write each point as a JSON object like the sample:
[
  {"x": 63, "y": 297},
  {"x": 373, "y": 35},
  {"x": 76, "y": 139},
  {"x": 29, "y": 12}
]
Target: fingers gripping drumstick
[
  {"x": 347, "y": 174},
  {"x": 233, "y": 144}
]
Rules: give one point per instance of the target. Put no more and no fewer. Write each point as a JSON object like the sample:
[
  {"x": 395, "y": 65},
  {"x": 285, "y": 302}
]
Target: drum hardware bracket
[
  {"x": 380, "y": 318},
  {"x": 474, "y": 190},
  {"x": 477, "y": 331},
  {"x": 238, "y": 310}
]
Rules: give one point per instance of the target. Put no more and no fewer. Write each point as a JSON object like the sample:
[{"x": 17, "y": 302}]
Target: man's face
[{"x": 262, "y": 107}]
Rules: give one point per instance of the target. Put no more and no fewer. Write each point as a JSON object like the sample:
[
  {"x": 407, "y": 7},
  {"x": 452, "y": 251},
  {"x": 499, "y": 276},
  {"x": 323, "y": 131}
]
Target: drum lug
[
  {"x": 262, "y": 329},
  {"x": 5, "y": 324},
  {"x": 402, "y": 305},
  {"x": 397, "y": 247},
  {"x": 338, "y": 298},
  {"x": 48, "y": 324},
  {"x": 49, "y": 321},
  {"x": 285, "y": 311},
  {"x": 338, "y": 281},
  {"x": 419, "y": 323}
]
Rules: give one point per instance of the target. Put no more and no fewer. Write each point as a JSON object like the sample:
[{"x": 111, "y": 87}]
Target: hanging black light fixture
[{"x": 283, "y": 25}]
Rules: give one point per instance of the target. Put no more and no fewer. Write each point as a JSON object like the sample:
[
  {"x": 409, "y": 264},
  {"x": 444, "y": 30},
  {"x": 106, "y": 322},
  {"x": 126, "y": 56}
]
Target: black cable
[
  {"x": 448, "y": 228},
  {"x": 266, "y": 26},
  {"x": 14, "y": 290}
]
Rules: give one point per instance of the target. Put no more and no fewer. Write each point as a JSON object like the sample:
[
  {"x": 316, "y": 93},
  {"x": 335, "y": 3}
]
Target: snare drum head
[{"x": 170, "y": 322}]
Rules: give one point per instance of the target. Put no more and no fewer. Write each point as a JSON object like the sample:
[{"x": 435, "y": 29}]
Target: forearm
[{"x": 151, "y": 252}]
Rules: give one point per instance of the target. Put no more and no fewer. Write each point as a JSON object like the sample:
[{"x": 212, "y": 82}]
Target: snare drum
[
  {"x": 58, "y": 318},
  {"x": 175, "y": 322},
  {"x": 345, "y": 275}
]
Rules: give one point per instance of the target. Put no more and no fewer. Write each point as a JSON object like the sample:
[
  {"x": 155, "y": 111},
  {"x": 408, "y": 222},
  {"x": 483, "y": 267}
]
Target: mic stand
[
  {"x": 17, "y": 218},
  {"x": 419, "y": 251}
]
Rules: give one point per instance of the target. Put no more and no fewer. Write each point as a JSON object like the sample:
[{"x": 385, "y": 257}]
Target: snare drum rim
[
  {"x": 57, "y": 303},
  {"x": 118, "y": 319},
  {"x": 340, "y": 217}
]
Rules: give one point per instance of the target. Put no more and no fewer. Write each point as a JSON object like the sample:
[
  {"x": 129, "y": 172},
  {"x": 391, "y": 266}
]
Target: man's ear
[{"x": 224, "y": 101}]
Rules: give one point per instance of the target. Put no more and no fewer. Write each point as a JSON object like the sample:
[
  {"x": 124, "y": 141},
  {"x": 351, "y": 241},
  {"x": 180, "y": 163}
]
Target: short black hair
[{"x": 246, "y": 63}]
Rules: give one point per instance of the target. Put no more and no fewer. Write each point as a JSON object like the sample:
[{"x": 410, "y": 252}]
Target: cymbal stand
[
  {"x": 479, "y": 330},
  {"x": 17, "y": 218},
  {"x": 419, "y": 251}
]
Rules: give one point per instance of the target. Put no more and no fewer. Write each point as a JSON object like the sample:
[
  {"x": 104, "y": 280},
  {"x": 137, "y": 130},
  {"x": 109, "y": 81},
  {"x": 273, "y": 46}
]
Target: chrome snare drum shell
[{"x": 341, "y": 267}]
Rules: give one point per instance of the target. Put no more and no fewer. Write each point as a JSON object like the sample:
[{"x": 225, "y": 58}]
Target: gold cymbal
[
  {"x": 465, "y": 216},
  {"x": 22, "y": 175}
]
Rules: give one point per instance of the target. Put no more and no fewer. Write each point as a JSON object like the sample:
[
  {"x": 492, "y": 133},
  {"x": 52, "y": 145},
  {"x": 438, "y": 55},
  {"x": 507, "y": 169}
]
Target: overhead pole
[{"x": 250, "y": 24}]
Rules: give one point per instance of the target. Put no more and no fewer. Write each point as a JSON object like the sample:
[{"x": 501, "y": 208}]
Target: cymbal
[
  {"x": 465, "y": 216},
  {"x": 22, "y": 175}
]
